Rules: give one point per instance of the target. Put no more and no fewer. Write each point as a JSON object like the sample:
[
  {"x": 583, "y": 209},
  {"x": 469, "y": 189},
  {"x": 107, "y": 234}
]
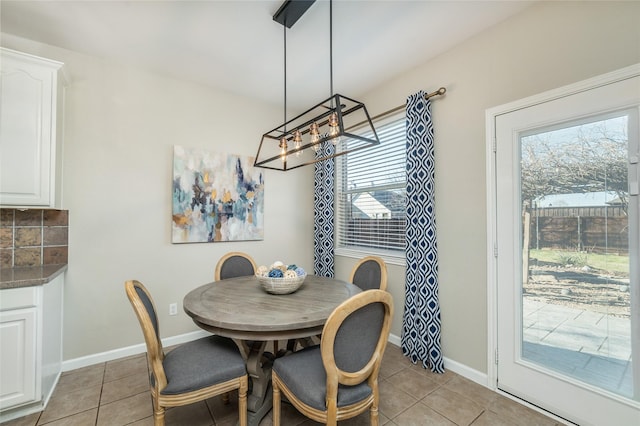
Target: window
[{"x": 370, "y": 194}]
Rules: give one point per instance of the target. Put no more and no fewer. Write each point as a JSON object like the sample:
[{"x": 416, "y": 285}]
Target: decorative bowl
[{"x": 281, "y": 285}]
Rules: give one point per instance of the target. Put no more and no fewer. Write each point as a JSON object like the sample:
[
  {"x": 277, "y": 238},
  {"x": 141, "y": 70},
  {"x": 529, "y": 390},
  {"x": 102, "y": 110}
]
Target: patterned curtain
[
  {"x": 421, "y": 322},
  {"x": 323, "y": 263}
]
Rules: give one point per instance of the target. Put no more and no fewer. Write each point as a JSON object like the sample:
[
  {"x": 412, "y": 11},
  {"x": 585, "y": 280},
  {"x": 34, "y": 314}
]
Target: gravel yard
[{"x": 581, "y": 288}]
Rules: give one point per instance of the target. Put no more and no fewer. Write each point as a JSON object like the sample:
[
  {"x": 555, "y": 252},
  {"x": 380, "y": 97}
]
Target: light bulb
[
  {"x": 297, "y": 140},
  {"x": 283, "y": 149},
  {"x": 334, "y": 128},
  {"x": 315, "y": 136}
]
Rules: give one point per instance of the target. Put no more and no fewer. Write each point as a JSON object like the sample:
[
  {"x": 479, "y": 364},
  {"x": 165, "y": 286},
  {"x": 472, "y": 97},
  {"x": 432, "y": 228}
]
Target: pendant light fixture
[{"x": 333, "y": 127}]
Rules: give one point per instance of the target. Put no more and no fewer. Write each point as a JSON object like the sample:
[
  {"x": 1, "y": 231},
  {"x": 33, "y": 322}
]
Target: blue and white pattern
[
  {"x": 323, "y": 231},
  {"x": 421, "y": 322}
]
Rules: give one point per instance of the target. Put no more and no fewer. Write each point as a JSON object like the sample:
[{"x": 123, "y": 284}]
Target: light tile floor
[{"x": 117, "y": 393}]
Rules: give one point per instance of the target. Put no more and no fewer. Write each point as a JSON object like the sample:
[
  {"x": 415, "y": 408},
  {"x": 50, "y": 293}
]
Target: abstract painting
[{"x": 216, "y": 197}]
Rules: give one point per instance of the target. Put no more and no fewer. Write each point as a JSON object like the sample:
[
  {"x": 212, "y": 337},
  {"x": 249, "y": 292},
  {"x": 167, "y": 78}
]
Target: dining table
[{"x": 239, "y": 308}]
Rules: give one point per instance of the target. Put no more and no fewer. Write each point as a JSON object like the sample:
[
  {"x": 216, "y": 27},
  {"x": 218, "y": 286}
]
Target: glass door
[{"x": 567, "y": 265}]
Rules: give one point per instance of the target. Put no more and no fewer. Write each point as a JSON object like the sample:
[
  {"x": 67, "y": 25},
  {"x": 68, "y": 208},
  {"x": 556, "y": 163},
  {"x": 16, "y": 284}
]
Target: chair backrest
[
  {"x": 145, "y": 310},
  {"x": 354, "y": 339},
  {"x": 370, "y": 273},
  {"x": 234, "y": 264}
]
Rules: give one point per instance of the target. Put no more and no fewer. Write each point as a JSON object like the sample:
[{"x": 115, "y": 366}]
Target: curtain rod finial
[{"x": 440, "y": 91}]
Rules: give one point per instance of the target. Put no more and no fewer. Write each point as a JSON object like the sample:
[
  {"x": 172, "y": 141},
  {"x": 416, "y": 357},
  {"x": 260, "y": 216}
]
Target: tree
[{"x": 585, "y": 158}]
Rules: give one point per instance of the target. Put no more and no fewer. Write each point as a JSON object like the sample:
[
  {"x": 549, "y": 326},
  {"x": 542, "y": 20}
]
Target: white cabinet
[
  {"x": 18, "y": 357},
  {"x": 30, "y": 347},
  {"x": 31, "y": 96}
]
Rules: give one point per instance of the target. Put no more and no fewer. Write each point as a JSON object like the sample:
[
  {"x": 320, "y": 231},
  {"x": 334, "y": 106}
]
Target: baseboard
[
  {"x": 85, "y": 361},
  {"x": 449, "y": 364},
  {"x": 88, "y": 360},
  {"x": 18, "y": 412},
  {"x": 467, "y": 372},
  {"x": 395, "y": 340}
]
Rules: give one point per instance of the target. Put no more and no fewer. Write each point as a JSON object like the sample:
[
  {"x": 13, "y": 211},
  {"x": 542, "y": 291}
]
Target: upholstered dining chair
[
  {"x": 338, "y": 379},
  {"x": 234, "y": 264},
  {"x": 191, "y": 372},
  {"x": 370, "y": 273}
]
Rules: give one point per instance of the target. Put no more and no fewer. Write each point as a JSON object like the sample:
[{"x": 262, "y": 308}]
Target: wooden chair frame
[
  {"x": 335, "y": 376},
  {"x": 155, "y": 357},
  {"x": 224, "y": 258},
  {"x": 383, "y": 270}
]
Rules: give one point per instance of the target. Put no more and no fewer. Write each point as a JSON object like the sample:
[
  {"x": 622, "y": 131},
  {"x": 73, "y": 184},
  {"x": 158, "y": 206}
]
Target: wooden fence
[{"x": 567, "y": 229}]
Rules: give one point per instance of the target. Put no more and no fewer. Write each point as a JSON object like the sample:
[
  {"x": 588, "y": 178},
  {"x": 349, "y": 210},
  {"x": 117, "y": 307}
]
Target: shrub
[{"x": 572, "y": 258}]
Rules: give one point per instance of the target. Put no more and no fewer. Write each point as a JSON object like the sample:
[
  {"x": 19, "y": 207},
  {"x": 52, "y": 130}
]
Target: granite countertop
[{"x": 29, "y": 276}]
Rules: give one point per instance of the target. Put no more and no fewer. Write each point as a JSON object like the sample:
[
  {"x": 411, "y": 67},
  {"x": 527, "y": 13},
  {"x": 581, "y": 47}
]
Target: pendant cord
[
  {"x": 331, "y": 48},
  {"x": 285, "y": 78}
]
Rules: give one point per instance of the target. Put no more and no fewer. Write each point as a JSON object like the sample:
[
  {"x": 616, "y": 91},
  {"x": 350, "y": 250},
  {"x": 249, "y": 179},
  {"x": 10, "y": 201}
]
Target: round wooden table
[{"x": 240, "y": 309}]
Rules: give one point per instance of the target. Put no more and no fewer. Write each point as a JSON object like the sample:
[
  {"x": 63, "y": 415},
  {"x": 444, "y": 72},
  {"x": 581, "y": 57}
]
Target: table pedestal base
[
  {"x": 260, "y": 399},
  {"x": 254, "y": 417}
]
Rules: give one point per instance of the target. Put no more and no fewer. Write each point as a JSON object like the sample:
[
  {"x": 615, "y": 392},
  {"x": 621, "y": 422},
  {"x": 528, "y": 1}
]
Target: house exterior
[{"x": 579, "y": 199}]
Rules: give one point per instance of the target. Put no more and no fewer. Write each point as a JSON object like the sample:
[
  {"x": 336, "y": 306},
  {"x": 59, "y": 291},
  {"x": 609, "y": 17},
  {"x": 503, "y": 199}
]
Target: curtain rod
[{"x": 440, "y": 91}]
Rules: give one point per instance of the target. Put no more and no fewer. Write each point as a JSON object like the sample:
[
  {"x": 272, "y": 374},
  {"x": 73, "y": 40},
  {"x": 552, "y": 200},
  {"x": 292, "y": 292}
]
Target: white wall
[
  {"x": 121, "y": 125},
  {"x": 547, "y": 46}
]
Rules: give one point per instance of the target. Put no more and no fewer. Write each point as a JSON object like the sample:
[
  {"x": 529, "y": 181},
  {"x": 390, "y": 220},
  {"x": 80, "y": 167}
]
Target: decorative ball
[
  {"x": 262, "y": 271},
  {"x": 276, "y": 273},
  {"x": 276, "y": 264},
  {"x": 291, "y": 267},
  {"x": 300, "y": 271},
  {"x": 290, "y": 274}
]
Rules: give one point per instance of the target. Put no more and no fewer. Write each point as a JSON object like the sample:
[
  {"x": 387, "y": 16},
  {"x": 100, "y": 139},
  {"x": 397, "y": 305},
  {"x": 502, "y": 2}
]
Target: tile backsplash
[{"x": 33, "y": 237}]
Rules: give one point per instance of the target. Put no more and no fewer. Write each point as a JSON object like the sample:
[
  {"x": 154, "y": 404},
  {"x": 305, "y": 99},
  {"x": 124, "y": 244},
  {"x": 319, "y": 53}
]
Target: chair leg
[
  {"x": 276, "y": 404},
  {"x": 225, "y": 398},
  {"x": 242, "y": 400},
  {"x": 158, "y": 414},
  {"x": 375, "y": 419},
  {"x": 332, "y": 412}
]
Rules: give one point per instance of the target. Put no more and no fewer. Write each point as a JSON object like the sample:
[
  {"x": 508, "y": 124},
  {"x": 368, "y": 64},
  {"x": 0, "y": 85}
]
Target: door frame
[{"x": 490, "y": 146}]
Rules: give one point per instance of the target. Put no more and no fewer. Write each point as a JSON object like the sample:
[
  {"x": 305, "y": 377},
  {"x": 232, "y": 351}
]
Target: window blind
[{"x": 370, "y": 192}]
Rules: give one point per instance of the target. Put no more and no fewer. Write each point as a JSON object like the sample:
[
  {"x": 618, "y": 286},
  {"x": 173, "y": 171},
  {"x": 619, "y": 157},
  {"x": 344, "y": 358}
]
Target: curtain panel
[
  {"x": 323, "y": 213},
  {"x": 421, "y": 322}
]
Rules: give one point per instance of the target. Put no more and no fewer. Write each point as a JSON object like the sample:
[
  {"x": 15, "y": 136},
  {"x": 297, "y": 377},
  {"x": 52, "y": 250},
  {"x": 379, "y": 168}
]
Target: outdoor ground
[{"x": 578, "y": 287}]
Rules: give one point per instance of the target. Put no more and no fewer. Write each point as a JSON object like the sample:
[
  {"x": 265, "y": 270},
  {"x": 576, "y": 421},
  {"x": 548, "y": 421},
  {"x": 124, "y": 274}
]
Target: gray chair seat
[
  {"x": 200, "y": 364},
  {"x": 303, "y": 373}
]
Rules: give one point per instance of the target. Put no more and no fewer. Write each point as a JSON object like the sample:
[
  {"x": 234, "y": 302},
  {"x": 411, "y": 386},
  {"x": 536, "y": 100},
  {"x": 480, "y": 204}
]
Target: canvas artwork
[{"x": 216, "y": 197}]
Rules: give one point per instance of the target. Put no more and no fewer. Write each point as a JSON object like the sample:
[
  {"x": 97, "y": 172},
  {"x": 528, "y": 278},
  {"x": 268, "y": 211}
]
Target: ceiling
[{"x": 236, "y": 45}]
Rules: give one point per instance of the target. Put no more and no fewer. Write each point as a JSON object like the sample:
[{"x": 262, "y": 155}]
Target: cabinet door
[
  {"x": 18, "y": 357},
  {"x": 28, "y": 96}
]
